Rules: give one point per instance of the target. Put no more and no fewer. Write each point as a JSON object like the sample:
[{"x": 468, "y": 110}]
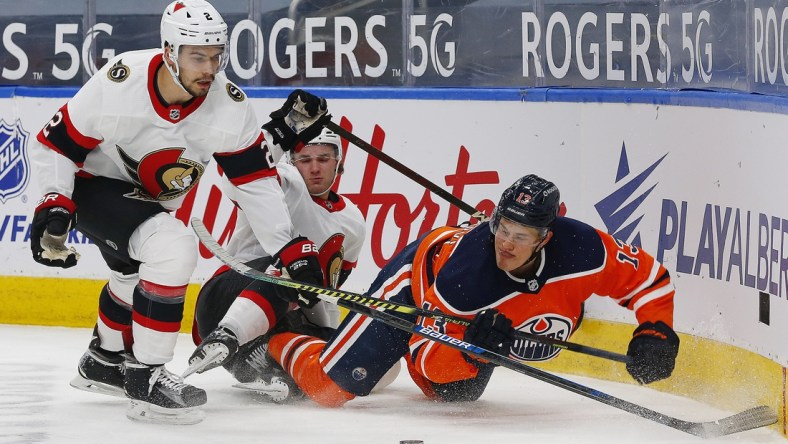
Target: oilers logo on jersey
[
  {"x": 550, "y": 325},
  {"x": 161, "y": 175},
  {"x": 14, "y": 166}
]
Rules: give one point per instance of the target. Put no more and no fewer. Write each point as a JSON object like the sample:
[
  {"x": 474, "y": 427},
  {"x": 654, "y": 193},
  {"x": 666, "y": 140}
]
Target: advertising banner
[
  {"x": 697, "y": 187},
  {"x": 668, "y": 44}
]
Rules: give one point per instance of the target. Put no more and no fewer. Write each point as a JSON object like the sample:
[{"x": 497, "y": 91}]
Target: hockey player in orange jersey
[{"x": 525, "y": 269}]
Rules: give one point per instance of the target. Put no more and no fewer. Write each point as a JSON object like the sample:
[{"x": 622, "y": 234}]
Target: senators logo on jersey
[
  {"x": 161, "y": 175},
  {"x": 330, "y": 258}
]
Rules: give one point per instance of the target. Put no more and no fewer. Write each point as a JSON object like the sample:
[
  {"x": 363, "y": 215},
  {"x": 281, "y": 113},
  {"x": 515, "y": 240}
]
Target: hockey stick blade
[
  {"x": 210, "y": 243},
  {"x": 749, "y": 419}
]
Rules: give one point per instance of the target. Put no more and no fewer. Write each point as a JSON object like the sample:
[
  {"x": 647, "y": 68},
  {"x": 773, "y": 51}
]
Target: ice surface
[{"x": 38, "y": 405}]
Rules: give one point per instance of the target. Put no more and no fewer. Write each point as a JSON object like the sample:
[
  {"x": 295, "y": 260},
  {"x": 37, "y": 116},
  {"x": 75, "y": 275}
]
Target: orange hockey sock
[{"x": 299, "y": 356}]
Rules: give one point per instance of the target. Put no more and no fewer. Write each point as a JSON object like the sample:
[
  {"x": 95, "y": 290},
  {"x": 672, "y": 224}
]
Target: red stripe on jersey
[
  {"x": 170, "y": 113},
  {"x": 163, "y": 290},
  {"x": 60, "y": 135},
  {"x": 347, "y": 265},
  {"x": 161, "y": 326},
  {"x": 196, "y": 338},
  {"x": 221, "y": 270},
  {"x": 56, "y": 200},
  {"x": 248, "y": 164},
  {"x": 261, "y": 302},
  {"x": 81, "y": 139},
  {"x": 262, "y": 174},
  {"x": 339, "y": 205}
]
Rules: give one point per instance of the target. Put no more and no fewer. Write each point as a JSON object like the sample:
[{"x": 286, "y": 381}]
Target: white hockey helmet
[
  {"x": 328, "y": 137},
  {"x": 193, "y": 22}
]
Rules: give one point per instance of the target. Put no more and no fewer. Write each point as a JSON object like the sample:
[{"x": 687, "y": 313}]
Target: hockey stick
[
  {"x": 409, "y": 173},
  {"x": 749, "y": 419},
  {"x": 207, "y": 240}
]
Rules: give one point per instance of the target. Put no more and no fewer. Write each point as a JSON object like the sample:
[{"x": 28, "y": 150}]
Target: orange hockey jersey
[{"x": 453, "y": 270}]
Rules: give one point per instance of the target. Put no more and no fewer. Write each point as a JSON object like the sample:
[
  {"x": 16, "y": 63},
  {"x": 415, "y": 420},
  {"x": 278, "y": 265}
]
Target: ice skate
[
  {"x": 256, "y": 371},
  {"x": 100, "y": 371},
  {"x": 217, "y": 348},
  {"x": 158, "y": 396},
  {"x": 251, "y": 361}
]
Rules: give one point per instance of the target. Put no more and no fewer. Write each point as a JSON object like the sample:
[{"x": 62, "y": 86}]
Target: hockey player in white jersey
[
  {"x": 121, "y": 154},
  {"x": 234, "y": 312}
]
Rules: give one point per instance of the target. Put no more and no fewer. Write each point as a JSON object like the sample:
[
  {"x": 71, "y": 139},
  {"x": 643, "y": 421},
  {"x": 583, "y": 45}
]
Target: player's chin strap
[
  {"x": 176, "y": 72},
  {"x": 336, "y": 172}
]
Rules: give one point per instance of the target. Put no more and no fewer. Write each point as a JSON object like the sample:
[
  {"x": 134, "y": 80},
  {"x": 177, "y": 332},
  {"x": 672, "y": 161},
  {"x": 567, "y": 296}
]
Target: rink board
[{"x": 686, "y": 175}]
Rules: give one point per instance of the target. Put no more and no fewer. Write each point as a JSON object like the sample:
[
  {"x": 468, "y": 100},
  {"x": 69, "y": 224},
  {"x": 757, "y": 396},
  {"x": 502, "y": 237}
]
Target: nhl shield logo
[{"x": 14, "y": 165}]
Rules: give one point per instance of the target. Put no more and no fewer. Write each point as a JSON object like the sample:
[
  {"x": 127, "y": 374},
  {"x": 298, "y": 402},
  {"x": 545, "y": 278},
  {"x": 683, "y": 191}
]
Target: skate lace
[
  {"x": 166, "y": 379},
  {"x": 257, "y": 359}
]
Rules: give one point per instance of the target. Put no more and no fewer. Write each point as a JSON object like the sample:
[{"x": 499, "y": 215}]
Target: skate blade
[
  {"x": 81, "y": 383},
  {"x": 146, "y": 412},
  {"x": 211, "y": 357},
  {"x": 277, "y": 391}
]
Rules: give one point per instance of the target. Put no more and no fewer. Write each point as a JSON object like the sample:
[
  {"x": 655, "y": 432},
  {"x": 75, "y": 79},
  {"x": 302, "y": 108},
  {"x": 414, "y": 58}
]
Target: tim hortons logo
[{"x": 393, "y": 219}]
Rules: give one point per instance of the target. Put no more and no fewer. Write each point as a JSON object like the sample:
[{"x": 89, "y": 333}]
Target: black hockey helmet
[{"x": 531, "y": 201}]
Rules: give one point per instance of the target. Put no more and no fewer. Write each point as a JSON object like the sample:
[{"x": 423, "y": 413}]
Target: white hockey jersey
[
  {"x": 335, "y": 225},
  {"x": 118, "y": 126}
]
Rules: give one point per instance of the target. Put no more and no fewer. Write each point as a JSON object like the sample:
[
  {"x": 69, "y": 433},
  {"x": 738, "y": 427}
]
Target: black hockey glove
[
  {"x": 491, "y": 330},
  {"x": 301, "y": 119},
  {"x": 54, "y": 217},
  {"x": 298, "y": 260},
  {"x": 652, "y": 352}
]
